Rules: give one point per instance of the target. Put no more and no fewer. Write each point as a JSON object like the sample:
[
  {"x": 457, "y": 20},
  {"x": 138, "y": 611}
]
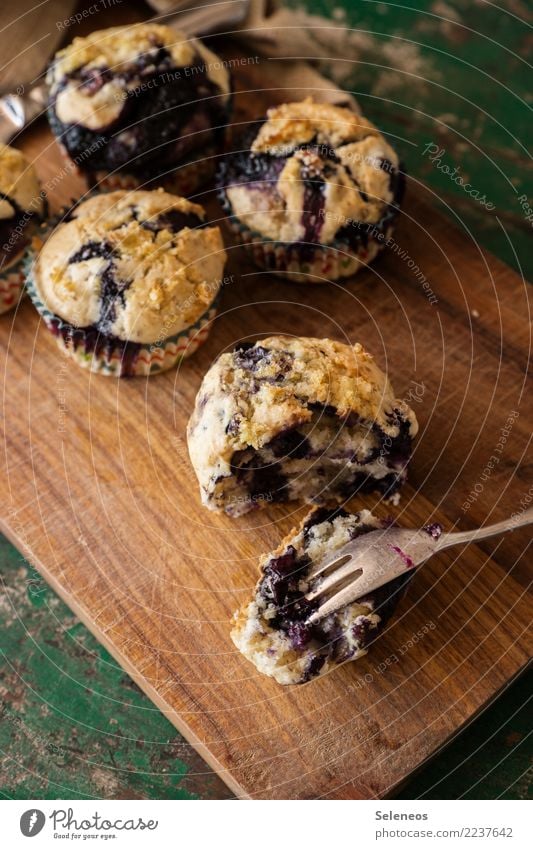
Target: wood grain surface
[{"x": 99, "y": 494}]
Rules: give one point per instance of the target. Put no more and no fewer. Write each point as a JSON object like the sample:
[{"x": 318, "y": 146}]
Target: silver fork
[{"x": 372, "y": 560}]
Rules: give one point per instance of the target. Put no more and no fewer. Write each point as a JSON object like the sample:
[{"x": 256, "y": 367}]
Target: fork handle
[
  {"x": 19, "y": 110},
  {"x": 516, "y": 521}
]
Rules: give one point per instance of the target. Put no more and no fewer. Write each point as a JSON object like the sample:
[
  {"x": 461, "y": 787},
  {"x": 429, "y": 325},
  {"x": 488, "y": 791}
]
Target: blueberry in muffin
[
  {"x": 297, "y": 418},
  {"x": 128, "y": 281},
  {"x": 133, "y": 104},
  {"x": 272, "y": 629},
  {"x": 22, "y": 208},
  {"x": 314, "y": 191}
]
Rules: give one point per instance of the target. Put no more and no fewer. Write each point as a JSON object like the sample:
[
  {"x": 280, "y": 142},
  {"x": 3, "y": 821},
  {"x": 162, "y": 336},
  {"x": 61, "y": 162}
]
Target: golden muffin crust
[
  {"x": 296, "y": 123},
  {"x": 18, "y": 182},
  {"x": 346, "y": 155},
  {"x": 250, "y": 396},
  {"x": 131, "y": 264},
  {"x": 118, "y": 48}
]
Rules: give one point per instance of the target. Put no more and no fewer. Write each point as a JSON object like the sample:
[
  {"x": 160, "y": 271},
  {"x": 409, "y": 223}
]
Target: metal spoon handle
[{"x": 515, "y": 521}]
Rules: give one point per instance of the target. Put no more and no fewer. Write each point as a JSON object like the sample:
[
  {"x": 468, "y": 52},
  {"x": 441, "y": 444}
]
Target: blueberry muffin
[
  {"x": 271, "y": 630},
  {"x": 291, "y": 418},
  {"x": 140, "y": 103},
  {"x": 128, "y": 281},
  {"x": 314, "y": 191},
  {"x": 22, "y": 207}
]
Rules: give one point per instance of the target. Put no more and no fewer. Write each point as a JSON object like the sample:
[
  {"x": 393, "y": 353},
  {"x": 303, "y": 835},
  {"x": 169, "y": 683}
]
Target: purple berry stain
[
  {"x": 434, "y": 530},
  {"x": 405, "y": 557}
]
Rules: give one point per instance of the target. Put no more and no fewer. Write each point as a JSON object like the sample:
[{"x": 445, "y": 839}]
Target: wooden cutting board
[{"x": 99, "y": 494}]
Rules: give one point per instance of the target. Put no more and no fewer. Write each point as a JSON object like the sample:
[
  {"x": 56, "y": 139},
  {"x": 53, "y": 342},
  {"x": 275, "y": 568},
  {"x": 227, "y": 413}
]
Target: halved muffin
[
  {"x": 314, "y": 191},
  {"x": 22, "y": 208},
  {"x": 271, "y": 630},
  {"x": 141, "y": 103},
  {"x": 128, "y": 281},
  {"x": 296, "y": 417}
]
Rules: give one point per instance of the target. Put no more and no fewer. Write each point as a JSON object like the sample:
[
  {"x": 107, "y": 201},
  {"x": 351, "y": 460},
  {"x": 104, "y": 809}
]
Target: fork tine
[
  {"x": 338, "y": 600},
  {"x": 325, "y": 584},
  {"x": 337, "y": 561}
]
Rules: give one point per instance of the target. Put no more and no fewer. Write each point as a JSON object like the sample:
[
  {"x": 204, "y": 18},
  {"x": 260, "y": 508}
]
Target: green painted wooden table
[{"x": 73, "y": 725}]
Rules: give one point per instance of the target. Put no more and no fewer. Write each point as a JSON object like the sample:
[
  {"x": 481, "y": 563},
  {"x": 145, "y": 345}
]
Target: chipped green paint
[
  {"x": 72, "y": 724},
  {"x": 452, "y": 73}
]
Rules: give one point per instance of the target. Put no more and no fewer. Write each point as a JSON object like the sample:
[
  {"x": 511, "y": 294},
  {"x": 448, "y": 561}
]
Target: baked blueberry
[
  {"x": 22, "y": 208},
  {"x": 314, "y": 190},
  {"x": 128, "y": 282},
  {"x": 139, "y": 104},
  {"x": 271, "y": 630},
  {"x": 294, "y": 418}
]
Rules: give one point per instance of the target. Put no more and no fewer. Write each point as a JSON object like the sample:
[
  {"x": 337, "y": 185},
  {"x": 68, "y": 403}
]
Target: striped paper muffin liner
[
  {"x": 301, "y": 262},
  {"x": 12, "y": 281},
  {"x": 186, "y": 180}
]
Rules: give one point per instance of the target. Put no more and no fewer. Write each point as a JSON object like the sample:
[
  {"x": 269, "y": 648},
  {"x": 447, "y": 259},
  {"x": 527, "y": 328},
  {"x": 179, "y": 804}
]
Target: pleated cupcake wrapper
[
  {"x": 186, "y": 180},
  {"x": 113, "y": 357},
  {"x": 12, "y": 281},
  {"x": 321, "y": 264}
]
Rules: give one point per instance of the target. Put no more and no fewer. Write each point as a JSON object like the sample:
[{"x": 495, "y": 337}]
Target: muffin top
[
  {"x": 91, "y": 78},
  {"x": 19, "y": 186},
  {"x": 139, "y": 266},
  {"x": 254, "y": 393},
  {"x": 313, "y": 170}
]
